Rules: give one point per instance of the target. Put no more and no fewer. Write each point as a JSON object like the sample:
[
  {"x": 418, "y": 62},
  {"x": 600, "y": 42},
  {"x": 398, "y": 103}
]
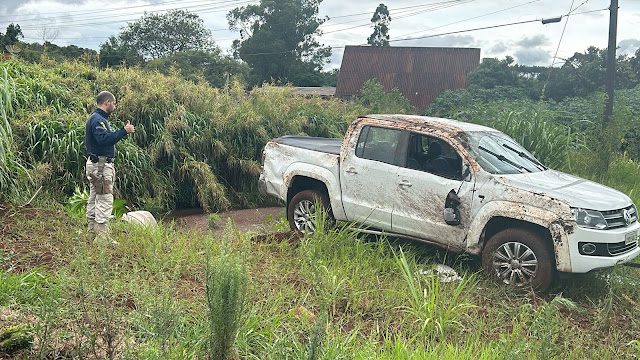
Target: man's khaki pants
[{"x": 100, "y": 204}]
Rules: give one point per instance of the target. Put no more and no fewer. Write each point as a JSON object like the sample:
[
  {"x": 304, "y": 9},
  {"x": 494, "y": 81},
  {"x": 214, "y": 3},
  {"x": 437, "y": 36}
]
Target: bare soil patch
[{"x": 244, "y": 220}]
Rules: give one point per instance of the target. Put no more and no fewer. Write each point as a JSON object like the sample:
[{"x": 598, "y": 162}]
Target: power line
[
  {"x": 468, "y": 19},
  {"x": 404, "y": 10},
  {"x": 71, "y": 24},
  {"x": 487, "y": 27},
  {"x": 393, "y": 9},
  {"x": 435, "y": 35},
  {"x": 66, "y": 14},
  {"x": 553, "y": 61},
  {"x": 402, "y": 16},
  {"x": 463, "y": 31}
]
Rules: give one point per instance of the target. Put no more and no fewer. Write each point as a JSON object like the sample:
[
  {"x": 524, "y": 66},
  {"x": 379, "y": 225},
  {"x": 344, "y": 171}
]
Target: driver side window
[{"x": 433, "y": 155}]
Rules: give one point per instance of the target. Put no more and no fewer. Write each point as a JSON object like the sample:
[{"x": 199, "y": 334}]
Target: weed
[
  {"x": 15, "y": 338},
  {"x": 547, "y": 327},
  {"x": 226, "y": 283},
  {"x": 25, "y": 288},
  {"x": 213, "y": 221},
  {"x": 77, "y": 204},
  {"x": 318, "y": 333},
  {"x": 435, "y": 308}
]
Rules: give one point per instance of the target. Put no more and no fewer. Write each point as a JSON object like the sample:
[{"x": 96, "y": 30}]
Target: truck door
[
  {"x": 368, "y": 174},
  {"x": 432, "y": 169}
]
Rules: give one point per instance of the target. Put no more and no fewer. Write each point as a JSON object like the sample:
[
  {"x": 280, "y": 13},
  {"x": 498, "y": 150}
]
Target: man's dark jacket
[{"x": 99, "y": 138}]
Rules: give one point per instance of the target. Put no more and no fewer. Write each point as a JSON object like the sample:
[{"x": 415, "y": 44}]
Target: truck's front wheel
[
  {"x": 520, "y": 258},
  {"x": 303, "y": 211}
]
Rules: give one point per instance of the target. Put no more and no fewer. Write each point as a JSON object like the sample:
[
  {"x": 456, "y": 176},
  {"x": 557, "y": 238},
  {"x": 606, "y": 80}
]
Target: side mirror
[{"x": 452, "y": 209}]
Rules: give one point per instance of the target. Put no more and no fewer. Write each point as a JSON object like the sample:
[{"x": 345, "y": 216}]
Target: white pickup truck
[{"x": 465, "y": 187}]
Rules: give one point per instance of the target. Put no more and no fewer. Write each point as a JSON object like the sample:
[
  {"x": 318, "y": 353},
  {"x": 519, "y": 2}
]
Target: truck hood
[{"x": 575, "y": 191}]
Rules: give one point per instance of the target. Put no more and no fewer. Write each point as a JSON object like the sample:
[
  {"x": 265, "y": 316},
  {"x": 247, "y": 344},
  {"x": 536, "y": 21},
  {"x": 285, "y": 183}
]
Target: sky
[{"x": 88, "y": 23}]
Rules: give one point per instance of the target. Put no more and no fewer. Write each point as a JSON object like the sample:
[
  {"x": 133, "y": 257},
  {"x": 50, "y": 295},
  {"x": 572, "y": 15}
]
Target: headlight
[{"x": 589, "y": 218}]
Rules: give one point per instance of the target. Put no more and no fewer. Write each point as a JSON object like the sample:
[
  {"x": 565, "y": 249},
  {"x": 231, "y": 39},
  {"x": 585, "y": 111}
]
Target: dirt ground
[{"x": 245, "y": 220}]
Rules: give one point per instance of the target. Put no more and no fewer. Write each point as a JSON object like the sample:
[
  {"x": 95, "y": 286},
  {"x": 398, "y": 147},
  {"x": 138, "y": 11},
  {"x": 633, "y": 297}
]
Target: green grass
[{"x": 328, "y": 296}]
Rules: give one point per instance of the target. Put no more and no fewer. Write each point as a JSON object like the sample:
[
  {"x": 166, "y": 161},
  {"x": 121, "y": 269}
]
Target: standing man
[{"x": 100, "y": 143}]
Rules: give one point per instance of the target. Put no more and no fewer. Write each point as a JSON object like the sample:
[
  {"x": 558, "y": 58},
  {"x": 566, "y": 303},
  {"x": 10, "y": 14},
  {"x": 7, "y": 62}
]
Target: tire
[
  {"x": 533, "y": 268},
  {"x": 301, "y": 211}
]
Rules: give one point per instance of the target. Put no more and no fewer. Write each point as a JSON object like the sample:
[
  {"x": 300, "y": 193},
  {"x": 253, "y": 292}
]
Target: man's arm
[{"x": 103, "y": 136}]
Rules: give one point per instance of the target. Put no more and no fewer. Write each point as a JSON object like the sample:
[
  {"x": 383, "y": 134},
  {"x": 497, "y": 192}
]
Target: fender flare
[
  {"x": 558, "y": 228},
  {"x": 317, "y": 173}
]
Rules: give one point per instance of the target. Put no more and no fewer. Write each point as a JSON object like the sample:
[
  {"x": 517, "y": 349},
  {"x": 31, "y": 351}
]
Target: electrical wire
[
  {"x": 72, "y": 24},
  {"x": 414, "y": 13},
  {"x": 66, "y": 14},
  {"x": 553, "y": 61},
  {"x": 433, "y": 35},
  {"x": 467, "y": 30},
  {"x": 468, "y": 19},
  {"x": 390, "y": 10},
  {"x": 446, "y": 33}
]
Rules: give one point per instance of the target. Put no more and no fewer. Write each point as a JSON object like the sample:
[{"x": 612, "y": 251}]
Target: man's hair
[{"x": 104, "y": 96}]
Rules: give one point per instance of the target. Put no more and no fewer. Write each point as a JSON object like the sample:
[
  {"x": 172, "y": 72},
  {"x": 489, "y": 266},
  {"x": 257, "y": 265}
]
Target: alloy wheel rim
[
  {"x": 515, "y": 263},
  {"x": 304, "y": 216}
]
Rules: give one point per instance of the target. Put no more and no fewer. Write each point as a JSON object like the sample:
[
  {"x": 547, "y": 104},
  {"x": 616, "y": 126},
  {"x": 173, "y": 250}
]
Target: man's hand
[{"x": 129, "y": 128}]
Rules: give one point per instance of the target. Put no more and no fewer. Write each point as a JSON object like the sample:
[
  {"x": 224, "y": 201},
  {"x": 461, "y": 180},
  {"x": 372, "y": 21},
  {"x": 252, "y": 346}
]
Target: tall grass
[
  {"x": 10, "y": 167},
  {"x": 226, "y": 286},
  {"x": 194, "y": 145},
  {"x": 436, "y": 308}
]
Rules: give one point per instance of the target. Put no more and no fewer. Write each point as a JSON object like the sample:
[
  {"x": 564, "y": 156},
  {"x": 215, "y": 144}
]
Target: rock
[{"x": 141, "y": 217}]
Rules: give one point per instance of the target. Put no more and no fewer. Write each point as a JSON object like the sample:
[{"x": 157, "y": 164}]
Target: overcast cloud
[
  {"x": 88, "y": 23},
  {"x": 628, "y": 46}
]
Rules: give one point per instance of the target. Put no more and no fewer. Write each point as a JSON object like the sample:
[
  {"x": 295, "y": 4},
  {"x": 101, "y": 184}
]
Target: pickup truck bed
[{"x": 330, "y": 146}]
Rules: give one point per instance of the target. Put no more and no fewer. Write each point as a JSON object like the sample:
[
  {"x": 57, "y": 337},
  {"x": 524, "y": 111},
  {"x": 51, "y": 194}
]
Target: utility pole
[
  {"x": 611, "y": 62},
  {"x": 606, "y": 146}
]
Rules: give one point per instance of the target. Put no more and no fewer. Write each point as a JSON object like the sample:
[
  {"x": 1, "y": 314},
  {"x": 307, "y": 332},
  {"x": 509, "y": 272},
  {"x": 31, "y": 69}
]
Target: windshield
[{"x": 499, "y": 154}]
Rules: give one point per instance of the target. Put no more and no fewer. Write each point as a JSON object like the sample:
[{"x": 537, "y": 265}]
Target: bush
[{"x": 373, "y": 97}]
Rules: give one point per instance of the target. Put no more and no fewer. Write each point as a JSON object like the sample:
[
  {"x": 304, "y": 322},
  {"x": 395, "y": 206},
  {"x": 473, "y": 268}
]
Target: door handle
[
  {"x": 405, "y": 183},
  {"x": 351, "y": 171}
]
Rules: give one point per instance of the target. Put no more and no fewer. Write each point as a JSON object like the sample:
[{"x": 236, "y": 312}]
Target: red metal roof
[{"x": 420, "y": 73}]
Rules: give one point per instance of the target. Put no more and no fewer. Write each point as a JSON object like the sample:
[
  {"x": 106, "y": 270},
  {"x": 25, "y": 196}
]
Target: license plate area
[{"x": 631, "y": 237}]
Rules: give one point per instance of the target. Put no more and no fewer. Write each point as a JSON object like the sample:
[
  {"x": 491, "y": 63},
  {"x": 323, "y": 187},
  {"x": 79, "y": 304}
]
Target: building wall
[{"x": 420, "y": 73}]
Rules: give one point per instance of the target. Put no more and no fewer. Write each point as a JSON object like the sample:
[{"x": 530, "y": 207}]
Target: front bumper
[{"x": 584, "y": 263}]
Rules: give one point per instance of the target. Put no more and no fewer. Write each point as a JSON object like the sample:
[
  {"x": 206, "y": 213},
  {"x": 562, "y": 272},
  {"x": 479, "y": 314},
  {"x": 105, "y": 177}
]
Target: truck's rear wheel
[
  {"x": 302, "y": 212},
  {"x": 519, "y": 258}
]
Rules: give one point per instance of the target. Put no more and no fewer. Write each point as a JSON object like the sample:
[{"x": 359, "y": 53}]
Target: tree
[
  {"x": 493, "y": 72},
  {"x": 157, "y": 35},
  {"x": 210, "y": 65},
  {"x": 277, "y": 40},
  {"x": 380, "y": 20},
  {"x": 114, "y": 53},
  {"x": 584, "y": 73},
  {"x": 11, "y": 36},
  {"x": 634, "y": 62}
]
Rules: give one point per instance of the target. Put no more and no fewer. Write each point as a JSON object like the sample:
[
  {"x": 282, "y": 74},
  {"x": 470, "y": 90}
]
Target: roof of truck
[{"x": 435, "y": 122}]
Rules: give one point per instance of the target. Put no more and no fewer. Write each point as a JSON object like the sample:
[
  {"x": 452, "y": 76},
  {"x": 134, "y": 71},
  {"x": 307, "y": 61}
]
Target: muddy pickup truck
[{"x": 464, "y": 187}]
